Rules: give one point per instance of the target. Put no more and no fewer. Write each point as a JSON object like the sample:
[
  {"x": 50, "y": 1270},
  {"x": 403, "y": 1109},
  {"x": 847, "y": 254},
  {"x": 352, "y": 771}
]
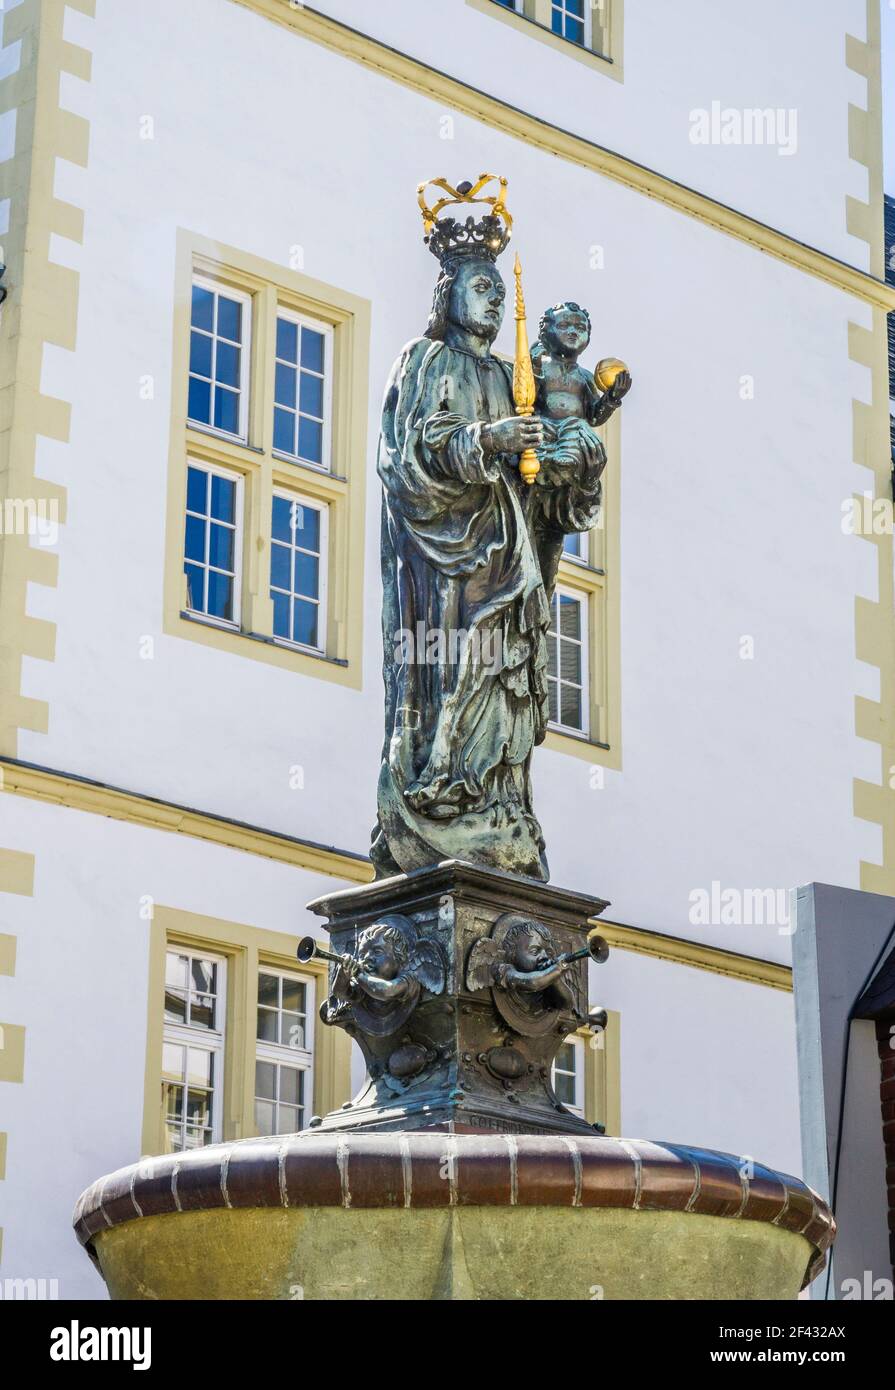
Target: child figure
[{"x": 565, "y": 390}]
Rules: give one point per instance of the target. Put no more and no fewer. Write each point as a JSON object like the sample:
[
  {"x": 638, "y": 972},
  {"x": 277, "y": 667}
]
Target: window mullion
[{"x": 259, "y": 500}]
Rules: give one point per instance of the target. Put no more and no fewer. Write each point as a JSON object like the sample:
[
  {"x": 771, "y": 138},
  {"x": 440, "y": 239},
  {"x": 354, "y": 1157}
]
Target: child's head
[
  {"x": 530, "y": 945},
  {"x": 382, "y": 951},
  {"x": 564, "y": 330}
]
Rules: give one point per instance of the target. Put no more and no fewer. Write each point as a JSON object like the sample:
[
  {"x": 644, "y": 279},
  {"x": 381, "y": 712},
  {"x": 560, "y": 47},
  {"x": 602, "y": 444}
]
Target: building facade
[{"x": 213, "y": 256}]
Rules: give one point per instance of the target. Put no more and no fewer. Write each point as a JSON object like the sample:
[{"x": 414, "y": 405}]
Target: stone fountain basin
[{"x": 440, "y": 1216}]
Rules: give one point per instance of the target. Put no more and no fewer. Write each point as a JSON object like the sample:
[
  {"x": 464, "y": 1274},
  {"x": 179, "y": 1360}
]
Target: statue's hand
[
  {"x": 620, "y": 387},
  {"x": 512, "y": 435}
]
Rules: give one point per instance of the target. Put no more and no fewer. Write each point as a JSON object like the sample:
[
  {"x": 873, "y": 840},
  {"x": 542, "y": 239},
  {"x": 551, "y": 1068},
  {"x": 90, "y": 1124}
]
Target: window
[
  {"x": 302, "y": 389},
  {"x": 568, "y": 1075},
  {"x": 567, "y": 661},
  {"x": 568, "y": 19},
  {"x": 590, "y": 31},
  {"x": 284, "y": 1052},
  {"x": 219, "y": 348},
  {"x": 212, "y": 541},
  {"x": 192, "y": 1049},
  {"x": 269, "y": 400},
  {"x": 575, "y": 546},
  {"x": 298, "y": 570}
]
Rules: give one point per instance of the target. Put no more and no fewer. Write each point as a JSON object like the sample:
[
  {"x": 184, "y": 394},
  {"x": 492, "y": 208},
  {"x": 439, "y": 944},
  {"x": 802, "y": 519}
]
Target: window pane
[
  {"x": 220, "y": 551},
  {"x": 220, "y": 596},
  {"x": 199, "y": 403},
  {"x": 195, "y": 588},
  {"x": 204, "y": 974},
  {"x": 287, "y": 340},
  {"x": 230, "y": 319},
  {"x": 195, "y": 1138},
  {"x": 565, "y": 1058},
  {"x": 291, "y": 1085},
  {"x": 310, "y": 440},
  {"x": 575, "y": 31},
  {"x": 203, "y": 308},
  {"x": 200, "y": 354},
  {"x": 200, "y": 1067},
  {"x": 265, "y": 1080},
  {"x": 284, "y": 431},
  {"x": 267, "y": 1025},
  {"x": 175, "y": 1006},
  {"x": 226, "y": 365},
  {"x": 288, "y": 1120},
  {"x": 280, "y": 576},
  {"x": 292, "y": 1030},
  {"x": 553, "y": 707},
  {"x": 173, "y": 1138},
  {"x": 284, "y": 391},
  {"x": 564, "y": 1086},
  {"x": 268, "y": 990},
  {"x": 173, "y": 1102},
  {"x": 176, "y": 967},
  {"x": 307, "y": 579},
  {"x": 570, "y": 662},
  {"x": 223, "y": 498},
  {"x": 194, "y": 544},
  {"x": 265, "y": 1112},
  {"x": 569, "y": 616},
  {"x": 172, "y": 1061},
  {"x": 281, "y": 618},
  {"x": 312, "y": 350},
  {"x": 293, "y": 995},
  {"x": 307, "y": 526},
  {"x": 281, "y": 524},
  {"x": 226, "y": 410},
  {"x": 196, "y": 490},
  {"x": 311, "y": 398},
  {"x": 202, "y": 1011},
  {"x": 570, "y": 703},
  {"x": 198, "y": 1108},
  {"x": 304, "y": 623}
]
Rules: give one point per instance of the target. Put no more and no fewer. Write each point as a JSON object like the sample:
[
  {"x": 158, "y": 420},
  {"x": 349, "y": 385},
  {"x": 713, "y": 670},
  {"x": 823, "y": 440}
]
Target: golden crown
[{"x": 449, "y": 237}]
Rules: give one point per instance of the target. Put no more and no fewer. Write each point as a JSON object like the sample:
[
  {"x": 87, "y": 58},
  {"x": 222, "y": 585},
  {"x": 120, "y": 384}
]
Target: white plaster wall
[
  {"x": 782, "y": 54},
  {"x": 734, "y": 771}
]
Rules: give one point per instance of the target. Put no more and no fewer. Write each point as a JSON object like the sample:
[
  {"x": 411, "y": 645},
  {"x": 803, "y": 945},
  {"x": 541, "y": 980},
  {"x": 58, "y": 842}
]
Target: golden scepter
[{"x": 523, "y": 378}]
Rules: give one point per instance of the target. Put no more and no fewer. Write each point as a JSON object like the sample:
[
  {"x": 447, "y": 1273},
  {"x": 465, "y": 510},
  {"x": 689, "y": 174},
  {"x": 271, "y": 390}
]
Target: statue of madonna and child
[{"x": 477, "y": 500}]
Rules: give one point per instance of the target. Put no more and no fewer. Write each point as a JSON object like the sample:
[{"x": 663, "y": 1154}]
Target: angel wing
[
  {"x": 484, "y": 955},
  {"x": 427, "y": 966}
]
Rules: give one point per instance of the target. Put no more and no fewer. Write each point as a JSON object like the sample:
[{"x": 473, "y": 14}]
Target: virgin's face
[{"x": 477, "y": 299}]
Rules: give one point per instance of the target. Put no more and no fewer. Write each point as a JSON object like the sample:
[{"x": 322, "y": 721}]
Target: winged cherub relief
[{"x": 379, "y": 986}]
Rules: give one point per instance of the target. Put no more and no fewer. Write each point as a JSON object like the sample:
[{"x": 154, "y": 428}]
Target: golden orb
[{"x": 606, "y": 371}]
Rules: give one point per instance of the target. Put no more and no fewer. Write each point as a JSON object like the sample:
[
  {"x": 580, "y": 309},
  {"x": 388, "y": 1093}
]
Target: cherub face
[
  {"x": 569, "y": 332},
  {"x": 531, "y": 952},
  {"x": 378, "y": 957}
]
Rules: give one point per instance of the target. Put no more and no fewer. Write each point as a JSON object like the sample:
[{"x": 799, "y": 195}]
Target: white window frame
[
  {"x": 288, "y": 495},
  {"x": 584, "y": 19},
  {"x": 231, "y": 474},
  {"x": 282, "y": 1053},
  {"x": 578, "y": 1045},
  {"x": 202, "y": 1039},
  {"x": 581, "y": 556},
  {"x": 219, "y": 287},
  {"x": 583, "y": 600},
  {"x": 326, "y": 330}
]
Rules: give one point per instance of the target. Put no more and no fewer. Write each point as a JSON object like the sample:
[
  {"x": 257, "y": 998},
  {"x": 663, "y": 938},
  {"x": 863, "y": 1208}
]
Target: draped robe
[{"x": 465, "y": 545}]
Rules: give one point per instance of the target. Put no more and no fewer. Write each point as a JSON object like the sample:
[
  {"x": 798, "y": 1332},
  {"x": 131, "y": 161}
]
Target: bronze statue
[{"x": 469, "y": 547}]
